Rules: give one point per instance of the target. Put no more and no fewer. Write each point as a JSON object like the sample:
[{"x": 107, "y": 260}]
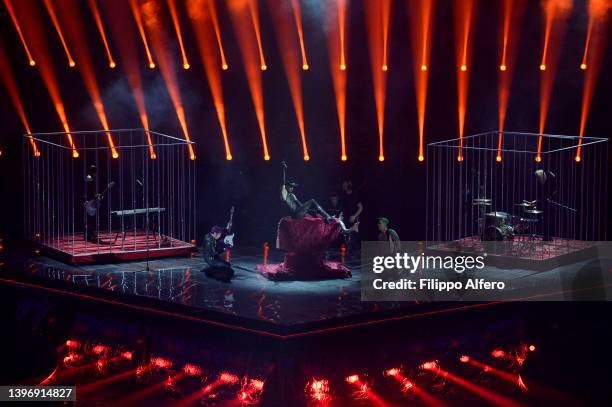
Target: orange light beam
[
  {"x": 464, "y": 14},
  {"x": 512, "y": 12},
  {"x": 297, "y": 16},
  {"x": 342, "y": 6},
  {"x": 215, "y": 20},
  {"x": 69, "y": 12},
  {"x": 556, "y": 13},
  {"x": 37, "y": 39},
  {"x": 177, "y": 28},
  {"x": 597, "y": 39},
  {"x": 254, "y": 13},
  {"x": 287, "y": 45},
  {"x": 421, "y": 13},
  {"x": 8, "y": 80},
  {"x": 335, "y": 41},
  {"x": 150, "y": 16},
  {"x": 127, "y": 47},
  {"x": 205, "y": 37},
  {"x": 58, "y": 29},
  {"x": 386, "y": 15},
  {"x": 583, "y": 64},
  {"x": 375, "y": 12},
  {"x": 141, "y": 31},
  {"x": 241, "y": 15},
  {"x": 98, "y": 19},
  {"x": 11, "y": 10}
]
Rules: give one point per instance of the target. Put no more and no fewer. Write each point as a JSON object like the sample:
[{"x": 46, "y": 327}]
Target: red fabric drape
[{"x": 305, "y": 242}]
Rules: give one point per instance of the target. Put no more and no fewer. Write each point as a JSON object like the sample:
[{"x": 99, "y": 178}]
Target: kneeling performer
[{"x": 215, "y": 244}]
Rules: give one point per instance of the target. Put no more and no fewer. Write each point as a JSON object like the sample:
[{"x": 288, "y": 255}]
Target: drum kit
[{"x": 500, "y": 226}]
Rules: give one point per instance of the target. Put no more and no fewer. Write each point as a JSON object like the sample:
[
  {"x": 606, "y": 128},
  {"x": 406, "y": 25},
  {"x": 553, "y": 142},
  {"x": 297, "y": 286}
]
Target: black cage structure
[
  {"x": 102, "y": 196},
  {"x": 539, "y": 196}
]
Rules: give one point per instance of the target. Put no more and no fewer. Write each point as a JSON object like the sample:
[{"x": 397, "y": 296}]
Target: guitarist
[
  {"x": 216, "y": 242},
  {"x": 91, "y": 208}
]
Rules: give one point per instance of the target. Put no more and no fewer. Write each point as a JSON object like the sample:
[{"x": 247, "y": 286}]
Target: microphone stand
[{"x": 147, "y": 268}]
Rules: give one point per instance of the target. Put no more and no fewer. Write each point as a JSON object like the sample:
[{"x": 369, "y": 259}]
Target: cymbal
[
  {"x": 525, "y": 204},
  {"x": 528, "y": 220},
  {"x": 482, "y": 201},
  {"x": 534, "y": 211}
]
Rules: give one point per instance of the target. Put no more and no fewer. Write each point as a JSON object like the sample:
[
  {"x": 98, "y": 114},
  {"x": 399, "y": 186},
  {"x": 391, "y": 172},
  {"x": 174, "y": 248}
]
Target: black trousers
[
  {"x": 310, "y": 206},
  {"x": 219, "y": 269}
]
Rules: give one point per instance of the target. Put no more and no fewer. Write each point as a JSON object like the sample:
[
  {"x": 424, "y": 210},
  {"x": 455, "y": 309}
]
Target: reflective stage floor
[
  {"x": 163, "y": 337},
  {"x": 251, "y": 303}
]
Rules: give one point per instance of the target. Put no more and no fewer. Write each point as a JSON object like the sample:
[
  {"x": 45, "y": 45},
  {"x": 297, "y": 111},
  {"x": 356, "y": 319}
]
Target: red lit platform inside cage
[
  {"x": 114, "y": 247},
  {"x": 526, "y": 252}
]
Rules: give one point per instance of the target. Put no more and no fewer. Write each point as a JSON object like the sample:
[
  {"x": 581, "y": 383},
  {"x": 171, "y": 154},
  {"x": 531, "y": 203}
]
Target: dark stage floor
[
  {"x": 128, "y": 336},
  {"x": 250, "y": 302}
]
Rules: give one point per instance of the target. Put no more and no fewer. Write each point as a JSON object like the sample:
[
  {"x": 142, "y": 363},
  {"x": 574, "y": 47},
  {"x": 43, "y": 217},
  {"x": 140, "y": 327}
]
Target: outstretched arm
[{"x": 283, "y": 191}]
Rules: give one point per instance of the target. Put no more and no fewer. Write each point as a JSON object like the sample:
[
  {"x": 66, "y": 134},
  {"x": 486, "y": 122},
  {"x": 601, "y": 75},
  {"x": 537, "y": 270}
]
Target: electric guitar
[
  {"x": 92, "y": 206},
  {"x": 228, "y": 240}
]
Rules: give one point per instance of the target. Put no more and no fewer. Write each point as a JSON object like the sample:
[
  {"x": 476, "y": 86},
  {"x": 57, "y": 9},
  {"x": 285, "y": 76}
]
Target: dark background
[{"x": 394, "y": 188}]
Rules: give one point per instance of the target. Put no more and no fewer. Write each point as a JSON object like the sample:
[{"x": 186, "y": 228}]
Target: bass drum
[{"x": 498, "y": 233}]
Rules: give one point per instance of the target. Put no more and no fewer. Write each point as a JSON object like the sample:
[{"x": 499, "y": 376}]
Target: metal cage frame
[{"x": 140, "y": 184}]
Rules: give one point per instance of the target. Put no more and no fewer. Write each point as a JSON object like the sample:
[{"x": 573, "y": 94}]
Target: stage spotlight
[
  {"x": 502, "y": 67},
  {"x": 577, "y": 159},
  {"x": 381, "y": 158},
  {"x": 498, "y": 158},
  {"x": 72, "y": 64},
  {"x": 224, "y": 67},
  {"x": 421, "y": 158},
  {"x": 186, "y": 66},
  {"x": 115, "y": 154},
  {"x": 344, "y": 158},
  {"x": 343, "y": 67},
  {"x": 385, "y": 68},
  {"x": 463, "y": 68},
  {"x": 538, "y": 158},
  {"x": 352, "y": 378},
  {"x": 464, "y": 358},
  {"x": 423, "y": 67},
  {"x": 306, "y": 158},
  {"x": 32, "y": 62},
  {"x": 192, "y": 157},
  {"x": 152, "y": 65},
  {"x": 264, "y": 67},
  {"x": 532, "y": 348},
  {"x": 542, "y": 67},
  {"x": 228, "y": 157},
  {"x": 112, "y": 65},
  {"x": 305, "y": 67},
  {"x": 583, "y": 67},
  {"x": 460, "y": 158},
  {"x": 75, "y": 154},
  {"x": 267, "y": 157}
]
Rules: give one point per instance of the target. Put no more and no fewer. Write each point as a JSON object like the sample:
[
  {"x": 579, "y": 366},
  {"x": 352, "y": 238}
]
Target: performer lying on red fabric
[{"x": 305, "y": 238}]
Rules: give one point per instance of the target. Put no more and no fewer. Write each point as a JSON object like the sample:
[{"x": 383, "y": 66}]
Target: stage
[{"x": 176, "y": 288}]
